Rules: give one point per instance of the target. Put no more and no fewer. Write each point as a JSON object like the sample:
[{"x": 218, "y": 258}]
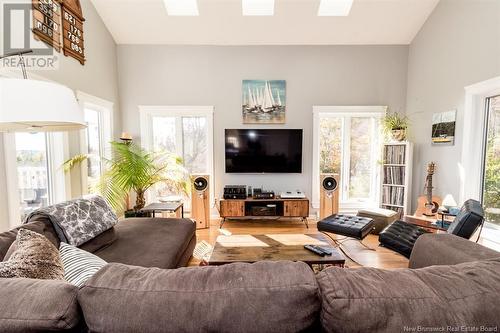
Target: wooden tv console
[{"x": 243, "y": 208}]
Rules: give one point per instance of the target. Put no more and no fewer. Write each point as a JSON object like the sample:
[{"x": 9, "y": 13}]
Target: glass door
[
  {"x": 33, "y": 176},
  {"x": 491, "y": 165},
  {"x": 186, "y": 136},
  {"x": 94, "y": 146},
  {"x": 349, "y": 146}
]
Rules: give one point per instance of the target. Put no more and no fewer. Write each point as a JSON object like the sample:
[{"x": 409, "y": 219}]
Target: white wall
[
  {"x": 210, "y": 75},
  {"x": 4, "y": 208},
  {"x": 458, "y": 45},
  {"x": 98, "y": 77}
]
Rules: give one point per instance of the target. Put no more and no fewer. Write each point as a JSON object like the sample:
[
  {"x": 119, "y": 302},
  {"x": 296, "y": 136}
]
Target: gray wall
[
  {"x": 98, "y": 77},
  {"x": 458, "y": 45},
  {"x": 208, "y": 75}
]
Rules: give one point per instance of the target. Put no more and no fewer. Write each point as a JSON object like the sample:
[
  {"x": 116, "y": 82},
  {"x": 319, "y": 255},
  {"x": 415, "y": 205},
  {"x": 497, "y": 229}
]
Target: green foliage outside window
[{"x": 491, "y": 195}]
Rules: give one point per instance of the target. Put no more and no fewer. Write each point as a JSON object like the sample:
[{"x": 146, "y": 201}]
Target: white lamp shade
[
  {"x": 38, "y": 106},
  {"x": 449, "y": 201}
]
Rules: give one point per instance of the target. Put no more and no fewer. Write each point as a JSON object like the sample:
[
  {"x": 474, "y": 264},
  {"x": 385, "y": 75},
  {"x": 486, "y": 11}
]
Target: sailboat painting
[{"x": 264, "y": 101}]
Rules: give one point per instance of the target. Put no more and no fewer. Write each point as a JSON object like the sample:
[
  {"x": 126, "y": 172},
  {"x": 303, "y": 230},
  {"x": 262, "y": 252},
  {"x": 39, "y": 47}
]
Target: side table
[
  {"x": 176, "y": 207},
  {"x": 425, "y": 222}
]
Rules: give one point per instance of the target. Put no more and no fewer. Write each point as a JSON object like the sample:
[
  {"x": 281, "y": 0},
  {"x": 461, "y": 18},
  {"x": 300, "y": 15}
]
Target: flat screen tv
[{"x": 263, "y": 150}]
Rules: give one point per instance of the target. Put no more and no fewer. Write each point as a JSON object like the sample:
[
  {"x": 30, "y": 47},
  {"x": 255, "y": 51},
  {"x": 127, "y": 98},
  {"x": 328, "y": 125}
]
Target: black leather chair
[{"x": 401, "y": 236}]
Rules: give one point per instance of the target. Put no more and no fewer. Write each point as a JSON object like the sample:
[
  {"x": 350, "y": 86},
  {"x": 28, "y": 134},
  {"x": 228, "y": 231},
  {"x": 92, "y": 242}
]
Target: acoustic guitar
[{"x": 428, "y": 204}]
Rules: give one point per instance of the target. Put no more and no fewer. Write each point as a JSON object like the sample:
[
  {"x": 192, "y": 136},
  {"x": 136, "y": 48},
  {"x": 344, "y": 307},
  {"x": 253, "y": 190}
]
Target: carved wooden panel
[
  {"x": 47, "y": 22},
  {"x": 72, "y": 27},
  {"x": 59, "y": 23}
]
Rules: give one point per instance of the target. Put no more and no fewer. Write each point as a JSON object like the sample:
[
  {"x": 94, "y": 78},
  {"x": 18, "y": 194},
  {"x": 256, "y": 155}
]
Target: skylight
[
  {"x": 258, "y": 7},
  {"x": 334, "y": 7},
  {"x": 182, "y": 7}
]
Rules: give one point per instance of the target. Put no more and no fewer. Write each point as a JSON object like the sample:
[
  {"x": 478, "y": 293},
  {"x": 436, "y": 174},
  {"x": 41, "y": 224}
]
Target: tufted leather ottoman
[
  {"x": 347, "y": 225},
  {"x": 400, "y": 237}
]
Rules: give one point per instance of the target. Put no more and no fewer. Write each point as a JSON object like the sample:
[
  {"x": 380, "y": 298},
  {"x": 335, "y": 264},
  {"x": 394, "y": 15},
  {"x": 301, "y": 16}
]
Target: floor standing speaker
[
  {"x": 200, "y": 198},
  {"x": 329, "y": 194}
]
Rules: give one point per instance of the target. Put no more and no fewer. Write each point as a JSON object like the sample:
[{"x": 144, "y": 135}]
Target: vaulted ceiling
[{"x": 295, "y": 22}]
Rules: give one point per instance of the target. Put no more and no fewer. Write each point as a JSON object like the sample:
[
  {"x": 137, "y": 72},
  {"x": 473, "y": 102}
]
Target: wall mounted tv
[{"x": 263, "y": 150}]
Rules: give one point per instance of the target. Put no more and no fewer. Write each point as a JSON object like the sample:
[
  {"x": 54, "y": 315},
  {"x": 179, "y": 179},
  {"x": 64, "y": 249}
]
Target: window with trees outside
[
  {"x": 95, "y": 139},
  {"x": 94, "y": 146},
  {"x": 33, "y": 175},
  {"x": 348, "y": 140},
  {"x": 491, "y": 169},
  {"x": 184, "y": 131},
  {"x": 186, "y": 136}
]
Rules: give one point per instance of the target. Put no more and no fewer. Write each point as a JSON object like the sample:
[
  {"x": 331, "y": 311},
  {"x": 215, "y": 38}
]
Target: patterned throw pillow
[
  {"x": 35, "y": 257},
  {"x": 79, "y": 265}
]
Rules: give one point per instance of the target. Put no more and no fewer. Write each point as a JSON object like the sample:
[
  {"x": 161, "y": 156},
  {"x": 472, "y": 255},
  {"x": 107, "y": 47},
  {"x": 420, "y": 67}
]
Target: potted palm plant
[
  {"x": 396, "y": 125},
  {"x": 135, "y": 169}
]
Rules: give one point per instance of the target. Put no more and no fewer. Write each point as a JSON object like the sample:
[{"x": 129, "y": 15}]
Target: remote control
[
  {"x": 326, "y": 250},
  {"x": 314, "y": 248}
]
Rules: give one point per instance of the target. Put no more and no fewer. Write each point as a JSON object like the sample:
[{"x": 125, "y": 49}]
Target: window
[
  {"x": 33, "y": 176},
  {"x": 491, "y": 165},
  {"x": 346, "y": 141},
  {"x": 94, "y": 145},
  {"x": 186, "y": 136},
  {"x": 95, "y": 138},
  {"x": 186, "y": 131}
]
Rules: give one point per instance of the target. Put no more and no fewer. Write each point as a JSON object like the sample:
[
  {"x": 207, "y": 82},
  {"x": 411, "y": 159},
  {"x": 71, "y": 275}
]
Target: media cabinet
[{"x": 247, "y": 208}]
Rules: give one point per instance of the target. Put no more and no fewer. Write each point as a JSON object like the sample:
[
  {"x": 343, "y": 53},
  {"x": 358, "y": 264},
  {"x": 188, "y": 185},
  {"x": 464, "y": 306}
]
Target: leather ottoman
[
  {"x": 381, "y": 217},
  {"x": 347, "y": 225},
  {"x": 400, "y": 237}
]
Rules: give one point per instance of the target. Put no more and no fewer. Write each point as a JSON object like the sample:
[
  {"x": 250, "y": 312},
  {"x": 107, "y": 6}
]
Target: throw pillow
[
  {"x": 10, "y": 251},
  {"x": 35, "y": 257},
  {"x": 79, "y": 265}
]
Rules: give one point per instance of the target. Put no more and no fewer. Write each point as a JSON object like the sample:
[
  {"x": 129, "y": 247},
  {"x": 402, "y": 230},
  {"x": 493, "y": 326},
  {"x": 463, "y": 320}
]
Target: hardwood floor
[{"x": 380, "y": 258}]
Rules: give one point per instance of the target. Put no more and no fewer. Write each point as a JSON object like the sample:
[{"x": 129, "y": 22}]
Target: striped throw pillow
[{"x": 79, "y": 265}]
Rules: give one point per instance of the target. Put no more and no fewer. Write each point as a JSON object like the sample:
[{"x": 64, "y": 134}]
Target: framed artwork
[
  {"x": 264, "y": 101},
  {"x": 443, "y": 128}
]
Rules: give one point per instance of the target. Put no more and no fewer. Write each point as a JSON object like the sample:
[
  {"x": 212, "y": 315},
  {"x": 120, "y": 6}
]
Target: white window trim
[
  {"x": 473, "y": 133},
  {"x": 105, "y": 110},
  {"x": 337, "y": 111},
  {"x": 147, "y": 112}
]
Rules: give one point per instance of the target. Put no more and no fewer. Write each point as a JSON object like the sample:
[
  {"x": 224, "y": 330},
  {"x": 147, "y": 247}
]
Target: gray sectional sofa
[
  {"x": 148, "y": 242},
  {"x": 450, "y": 282}
]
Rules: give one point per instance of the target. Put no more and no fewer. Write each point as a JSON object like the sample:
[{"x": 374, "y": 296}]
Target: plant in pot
[
  {"x": 135, "y": 169},
  {"x": 395, "y": 125}
]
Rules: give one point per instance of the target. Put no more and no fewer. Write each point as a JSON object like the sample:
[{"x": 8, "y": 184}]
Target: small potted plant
[{"x": 396, "y": 125}]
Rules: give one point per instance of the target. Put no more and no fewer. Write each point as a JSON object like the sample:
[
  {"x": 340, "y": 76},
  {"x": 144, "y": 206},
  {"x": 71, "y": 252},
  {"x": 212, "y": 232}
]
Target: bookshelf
[{"x": 397, "y": 159}]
